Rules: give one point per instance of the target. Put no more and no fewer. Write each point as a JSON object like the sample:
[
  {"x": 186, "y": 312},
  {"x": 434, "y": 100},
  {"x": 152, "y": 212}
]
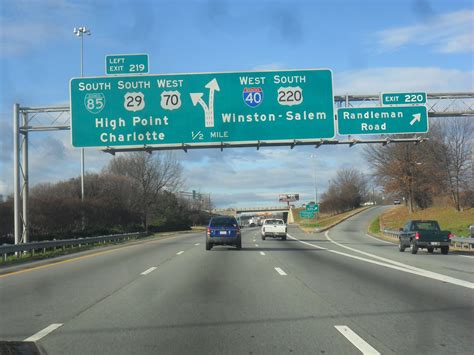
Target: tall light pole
[
  {"x": 79, "y": 32},
  {"x": 313, "y": 157}
]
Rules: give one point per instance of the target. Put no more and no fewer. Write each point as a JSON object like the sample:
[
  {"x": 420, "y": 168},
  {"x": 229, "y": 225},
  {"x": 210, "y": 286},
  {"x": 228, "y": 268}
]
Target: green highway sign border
[
  {"x": 386, "y": 108},
  {"x": 133, "y": 56},
  {"x": 401, "y": 94},
  {"x": 319, "y": 84}
]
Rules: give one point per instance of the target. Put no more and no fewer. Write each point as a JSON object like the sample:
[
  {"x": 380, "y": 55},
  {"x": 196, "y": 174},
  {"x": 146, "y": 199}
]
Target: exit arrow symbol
[
  {"x": 208, "y": 110},
  {"x": 416, "y": 117}
]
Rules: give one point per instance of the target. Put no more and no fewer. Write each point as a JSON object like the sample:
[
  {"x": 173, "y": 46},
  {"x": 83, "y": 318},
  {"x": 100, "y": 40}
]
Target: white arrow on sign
[
  {"x": 416, "y": 117},
  {"x": 196, "y": 98}
]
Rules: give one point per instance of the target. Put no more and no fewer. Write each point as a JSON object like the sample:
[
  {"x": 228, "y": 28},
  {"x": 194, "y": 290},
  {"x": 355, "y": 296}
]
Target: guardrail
[
  {"x": 457, "y": 242},
  {"x": 7, "y": 249}
]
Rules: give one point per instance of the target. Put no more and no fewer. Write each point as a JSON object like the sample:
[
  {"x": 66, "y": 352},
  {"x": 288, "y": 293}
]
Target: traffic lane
[
  {"x": 352, "y": 233},
  {"x": 211, "y": 302},
  {"x": 35, "y": 298},
  {"x": 404, "y": 312}
]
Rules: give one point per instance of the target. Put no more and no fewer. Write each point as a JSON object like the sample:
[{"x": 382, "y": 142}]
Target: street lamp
[
  {"x": 313, "y": 156},
  {"x": 79, "y": 32}
]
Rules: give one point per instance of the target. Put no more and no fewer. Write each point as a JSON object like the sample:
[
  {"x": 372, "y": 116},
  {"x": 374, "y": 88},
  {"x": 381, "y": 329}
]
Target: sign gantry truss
[{"x": 57, "y": 118}]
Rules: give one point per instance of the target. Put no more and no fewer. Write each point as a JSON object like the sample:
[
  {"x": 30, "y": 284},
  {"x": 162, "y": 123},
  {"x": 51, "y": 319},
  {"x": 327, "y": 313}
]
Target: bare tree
[
  {"x": 150, "y": 173},
  {"x": 345, "y": 192},
  {"x": 408, "y": 170},
  {"x": 454, "y": 154}
]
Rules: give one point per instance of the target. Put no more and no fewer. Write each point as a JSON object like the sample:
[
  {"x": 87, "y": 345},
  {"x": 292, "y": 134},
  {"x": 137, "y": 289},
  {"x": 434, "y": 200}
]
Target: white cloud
[
  {"x": 375, "y": 80},
  {"x": 35, "y": 25},
  {"x": 448, "y": 33}
]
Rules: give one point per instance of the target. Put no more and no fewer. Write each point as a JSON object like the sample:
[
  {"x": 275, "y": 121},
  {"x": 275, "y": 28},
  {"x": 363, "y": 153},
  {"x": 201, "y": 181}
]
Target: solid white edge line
[
  {"x": 356, "y": 340},
  {"x": 180, "y": 252},
  {"x": 280, "y": 271},
  {"x": 467, "y": 256},
  {"x": 147, "y": 271},
  {"x": 380, "y": 240},
  {"x": 262, "y": 253},
  {"x": 407, "y": 268},
  {"x": 44, "y": 332},
  {"x": 312, "y": 245},
  {"x": 393, "y": 264}
]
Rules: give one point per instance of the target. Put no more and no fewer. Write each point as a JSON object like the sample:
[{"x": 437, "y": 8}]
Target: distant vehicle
[
  {"x": 396, "y": 202},
  {"x": 223, "y": 230},
  {"x": 274, "y": 228},
  {"x": 424, "y": 234}
]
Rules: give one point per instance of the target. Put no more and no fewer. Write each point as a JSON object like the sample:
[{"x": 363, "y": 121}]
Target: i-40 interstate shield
[{"x": 202, "y": 109}]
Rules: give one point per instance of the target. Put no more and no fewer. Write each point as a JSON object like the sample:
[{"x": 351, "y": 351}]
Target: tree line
[
  {"x": 134, "y": 192},
  {"x": 438, "y": 171}
]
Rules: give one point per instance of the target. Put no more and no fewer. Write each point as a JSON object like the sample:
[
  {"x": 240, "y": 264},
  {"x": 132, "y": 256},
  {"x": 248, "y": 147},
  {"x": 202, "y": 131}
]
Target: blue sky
[{"x": 371, "y": 46}]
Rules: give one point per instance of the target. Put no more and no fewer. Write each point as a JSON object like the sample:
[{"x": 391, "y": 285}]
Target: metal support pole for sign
[
  {"x": 16, "y": 173},
  {"x": 80, "y": 31},
  {"x": 24, "y": 179},
  {"x": 82, "y": 149}
]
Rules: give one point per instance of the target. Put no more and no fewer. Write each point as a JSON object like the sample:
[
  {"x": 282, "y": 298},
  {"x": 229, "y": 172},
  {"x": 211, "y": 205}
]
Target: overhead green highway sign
[
  {"x": 382, "y": 120},
  {"x": 202, "y": 109},
  {"x": 307, "y": 214},
  {"x": 403, "y": 98},
  {"x": 126, "y": 64},
  {"x": 312, "y": 208}
]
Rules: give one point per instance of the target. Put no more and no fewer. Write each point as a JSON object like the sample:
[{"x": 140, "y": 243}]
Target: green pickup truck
[{"x": 424, "y": 234}]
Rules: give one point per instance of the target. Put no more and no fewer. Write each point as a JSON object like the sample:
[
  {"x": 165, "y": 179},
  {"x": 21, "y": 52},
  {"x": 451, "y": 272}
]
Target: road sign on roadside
[
  {"x": 312, "y": 208},
  {"x": 202, "y": 109},
  {"x": 382, "y": 120},
  {"x": 403, "y": 98},
  {"x": 307, "y": 214},
  {"x": 126, "y": 64}
]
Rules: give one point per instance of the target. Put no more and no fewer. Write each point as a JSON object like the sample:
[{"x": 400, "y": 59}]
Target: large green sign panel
[
  {"x": 202, "y": 109},
  {"x": 382, "y": 120}
]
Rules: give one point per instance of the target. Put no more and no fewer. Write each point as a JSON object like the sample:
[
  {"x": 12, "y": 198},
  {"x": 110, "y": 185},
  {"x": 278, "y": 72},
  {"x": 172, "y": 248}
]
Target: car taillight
[
  {"x": 417, "y": 235},
  {"x": 450, "y": 235},
  {"x": 208, "y": 231},
  {"x": 238, "y": 232}
]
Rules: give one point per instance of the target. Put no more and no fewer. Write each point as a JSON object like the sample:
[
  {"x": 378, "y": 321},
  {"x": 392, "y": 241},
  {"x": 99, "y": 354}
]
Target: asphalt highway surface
[{"x": 339, "y": 292}]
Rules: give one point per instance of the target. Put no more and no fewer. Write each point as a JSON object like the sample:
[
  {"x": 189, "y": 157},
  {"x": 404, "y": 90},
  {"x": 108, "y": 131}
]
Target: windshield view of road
[{"x": 236, "y": 177}]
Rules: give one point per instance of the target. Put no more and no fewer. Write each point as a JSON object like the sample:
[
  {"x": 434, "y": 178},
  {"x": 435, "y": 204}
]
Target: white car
[{"x": 274, "y": 227}]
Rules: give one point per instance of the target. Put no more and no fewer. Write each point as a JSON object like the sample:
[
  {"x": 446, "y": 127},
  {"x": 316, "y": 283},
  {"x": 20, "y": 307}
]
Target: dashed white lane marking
[
  {"x": 262, "y": 253},
  {"x": 467, "y": 256},
  {"x": 256, "y": 245},
  {"x": 180, "y": 252},
  {"x": 44, "y": 332},
  {"x": 393, "y": 264},
  {"x": 147, "y": 271},
  {"x": 280, "y": 271},
  {"x": 356, "y": 340},
  {"x": 197, "y": 244}
]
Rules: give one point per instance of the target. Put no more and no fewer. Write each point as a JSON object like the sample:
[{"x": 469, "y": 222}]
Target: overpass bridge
[{"x": 235, "y": 211}]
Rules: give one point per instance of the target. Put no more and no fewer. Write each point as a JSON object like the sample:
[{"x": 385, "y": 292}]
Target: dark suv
[{"x": 223, "y": 230}]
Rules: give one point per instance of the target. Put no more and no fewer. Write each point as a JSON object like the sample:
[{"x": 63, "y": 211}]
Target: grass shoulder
[
  {"x": 322, "y": 221},
  {"x": 457, "y": 222}
]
